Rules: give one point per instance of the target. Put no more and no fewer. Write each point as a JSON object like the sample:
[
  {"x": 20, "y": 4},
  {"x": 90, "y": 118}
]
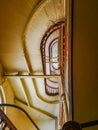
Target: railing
[
  {"x": 88, "y": 124},
  {"x": 76, "y": 126},
  {"x": 8, "y": 123},
  {"x": 51, "y": 50},
  {"x": 5, "y": 123},
  {"x": 51, "y": 91}
]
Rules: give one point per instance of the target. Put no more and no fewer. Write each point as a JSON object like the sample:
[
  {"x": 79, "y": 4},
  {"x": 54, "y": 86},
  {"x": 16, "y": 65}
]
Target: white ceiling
[{"x": 25, "y": 19}]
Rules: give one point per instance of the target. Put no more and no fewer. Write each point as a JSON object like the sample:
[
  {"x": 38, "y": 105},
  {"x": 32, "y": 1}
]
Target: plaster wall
[{"x": 85, "y": 61}]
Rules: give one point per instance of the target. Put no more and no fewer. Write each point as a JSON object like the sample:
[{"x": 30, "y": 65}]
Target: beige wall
[{"x": 85, "y": 61}]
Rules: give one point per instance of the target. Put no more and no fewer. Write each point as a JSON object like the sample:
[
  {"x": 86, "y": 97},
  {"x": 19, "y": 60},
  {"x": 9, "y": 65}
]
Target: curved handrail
[
  {"x": 15, "y": 106},
  {"x": 88, "y": 124},
  {"x": 5, "y": 122},
  {"x": 77, "y": 126}
]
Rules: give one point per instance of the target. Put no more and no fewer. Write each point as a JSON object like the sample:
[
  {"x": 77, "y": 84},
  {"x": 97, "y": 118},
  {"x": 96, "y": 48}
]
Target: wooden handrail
[
  {"x": 5, "y": 120},
  {"x": 88, "y": 124}
]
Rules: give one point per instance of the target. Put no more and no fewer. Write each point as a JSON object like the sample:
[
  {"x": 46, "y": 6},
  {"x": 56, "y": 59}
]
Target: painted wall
[{"x": 85, "y": 61}]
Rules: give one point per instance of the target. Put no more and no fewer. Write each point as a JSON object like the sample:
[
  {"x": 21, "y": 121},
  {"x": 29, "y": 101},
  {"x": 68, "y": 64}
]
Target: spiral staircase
[{"x": 34, "y": 64}]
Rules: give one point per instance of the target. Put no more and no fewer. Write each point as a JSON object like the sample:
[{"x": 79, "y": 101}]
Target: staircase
[{"x": 5, "y": 123}]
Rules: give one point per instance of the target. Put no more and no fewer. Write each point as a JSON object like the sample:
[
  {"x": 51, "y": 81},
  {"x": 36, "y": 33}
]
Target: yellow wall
[{"x": 85, "y": 61}]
